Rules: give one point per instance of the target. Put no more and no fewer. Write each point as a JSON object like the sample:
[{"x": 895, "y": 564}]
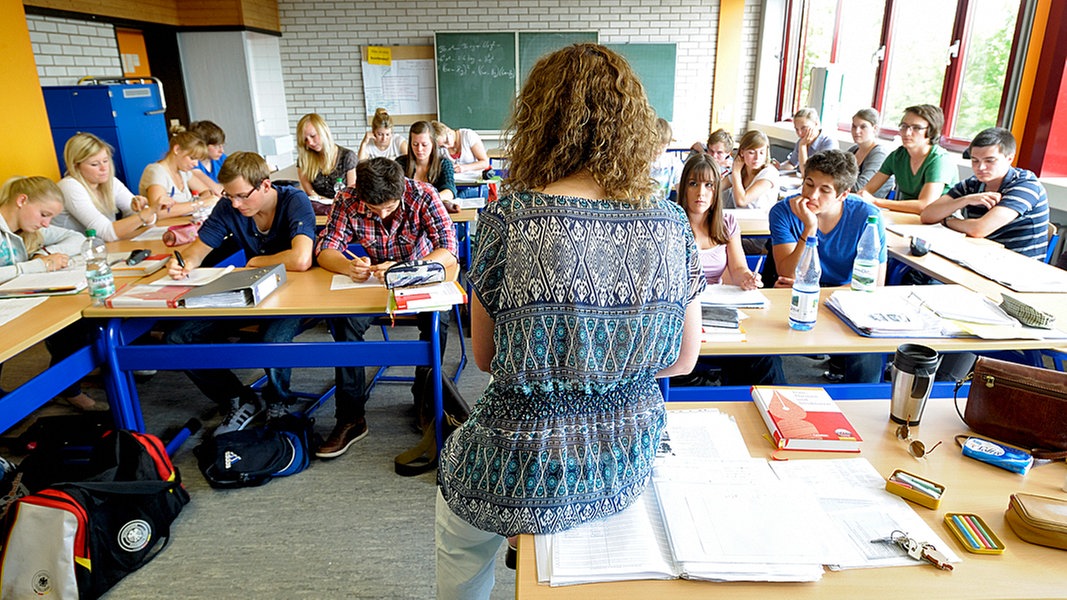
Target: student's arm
[
  {"x": 193, "y": 255},
  {"x": 446, "y": 183},
  {"x": 205, "y": 182},
  {"x": 296, "y": 258},
  {"x": 690, "y": 350},
  {"x": 787, "y": 253},
  {"x": 481, "y": 159},
  {"x": 869, "y": 168},
  {"x": 78, "y": 203},
  {"x": 482, "y": 342},
  {"x": 873, "y": 185},
  {"x": 997, "y": 217},
  {"x": 737, "y": 266},
  {"x": 306, "y": 186},
  {"x": 744, "y": 198},
  {"x": 60, "y": 241},
  {"x": 929, "y": 192},
  {"x": 952, "y": 201},
  {"x": 364, "y": 154}
]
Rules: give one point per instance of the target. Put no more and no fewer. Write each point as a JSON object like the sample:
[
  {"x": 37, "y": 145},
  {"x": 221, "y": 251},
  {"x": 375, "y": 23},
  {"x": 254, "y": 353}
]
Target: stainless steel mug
[{"x": 914, "y": 366}]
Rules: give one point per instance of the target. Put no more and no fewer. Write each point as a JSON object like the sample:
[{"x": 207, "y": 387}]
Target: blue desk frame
[
  {"x": 124, "y": 358},
  {"x": 31, "y": 395}
]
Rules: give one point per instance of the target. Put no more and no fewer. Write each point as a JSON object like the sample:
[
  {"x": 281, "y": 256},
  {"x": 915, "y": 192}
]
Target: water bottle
[
  {"x": 337, "y": 187},
  {"x": 97, "y": 270},
  {"x": 865, "y": 267},
  {"x": 804, "y": 306}
]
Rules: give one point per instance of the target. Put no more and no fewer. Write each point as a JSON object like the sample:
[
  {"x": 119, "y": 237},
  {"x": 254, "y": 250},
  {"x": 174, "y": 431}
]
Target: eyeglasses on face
[
  {"x": 909, "y": 127},
  {"x": 244, "y": 196}
]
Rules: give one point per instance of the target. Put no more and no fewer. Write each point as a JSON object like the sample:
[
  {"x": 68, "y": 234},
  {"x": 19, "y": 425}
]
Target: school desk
[
  {"x": 1022, "y": 571},
  {"x": 305, "y": 294}
]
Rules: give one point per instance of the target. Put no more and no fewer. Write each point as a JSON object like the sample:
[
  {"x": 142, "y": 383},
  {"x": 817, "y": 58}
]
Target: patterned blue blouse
[{"x": 588, "y": 300}]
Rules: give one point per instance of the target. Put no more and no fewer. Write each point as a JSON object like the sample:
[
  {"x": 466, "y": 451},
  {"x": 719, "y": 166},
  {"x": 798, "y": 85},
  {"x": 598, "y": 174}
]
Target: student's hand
[
  {"x": 379, "y": 269},
  {"x": 138, "y": 203},
  {"x": 165, "y": 203},
  {"x": 800, "y": 207},
  {"x": 750, "y": 281},
  {"x": 784, "y": 282},
  {"x": 367, "y": 137},
  {"x": 54, "y": 262},
  {"x": 450, "y": 206},
  {"x": 359, "y": 269},
  {"x": 458, "y": 168},
  {"x": 986, "y": 199},
  {"x": 808, "y": 135},
  {"x": 177, "y": 271},
  {"x": 737, "y": 165}
]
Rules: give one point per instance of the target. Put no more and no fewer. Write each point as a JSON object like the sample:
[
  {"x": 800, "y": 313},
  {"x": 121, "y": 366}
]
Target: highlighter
[{"x": 998, "y": 455}]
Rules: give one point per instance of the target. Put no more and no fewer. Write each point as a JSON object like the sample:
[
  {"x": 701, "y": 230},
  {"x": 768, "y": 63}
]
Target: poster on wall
[{"x": 402, "y": 80}]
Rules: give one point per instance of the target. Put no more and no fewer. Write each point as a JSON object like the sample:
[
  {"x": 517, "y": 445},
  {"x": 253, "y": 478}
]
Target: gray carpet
[{"x": 345, "y": 528}]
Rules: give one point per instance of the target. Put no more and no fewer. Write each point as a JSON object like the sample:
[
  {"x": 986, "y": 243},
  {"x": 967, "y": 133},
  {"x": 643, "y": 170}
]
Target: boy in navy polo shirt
[
  {"x": 998, "y": 202},
  {"x": 273, "y": 226}
]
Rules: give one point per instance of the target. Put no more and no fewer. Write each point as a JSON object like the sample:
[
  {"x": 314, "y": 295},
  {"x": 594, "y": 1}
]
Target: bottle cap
[
  {"x": 872, "y": 219},
  {"x": 812, "y": 240},
  {"x": 90, "y": 233}
]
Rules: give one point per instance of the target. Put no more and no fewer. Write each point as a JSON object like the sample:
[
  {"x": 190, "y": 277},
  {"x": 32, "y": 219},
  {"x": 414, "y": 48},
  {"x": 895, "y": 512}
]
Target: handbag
[
  {"x": 1022, "y": 405},
  {"x": 1038, "y": 519},
  {"x": 423, "y": 456}
]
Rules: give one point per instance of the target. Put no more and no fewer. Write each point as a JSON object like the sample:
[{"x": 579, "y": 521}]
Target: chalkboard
[
  {"x": 476, "y": 78},
  {"x": 654, "y": 64},
  {"x": 535, "y": 44}
]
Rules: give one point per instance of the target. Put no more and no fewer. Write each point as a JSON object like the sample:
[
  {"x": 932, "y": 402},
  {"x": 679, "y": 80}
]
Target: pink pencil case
[{"x": 179, "y": 235}]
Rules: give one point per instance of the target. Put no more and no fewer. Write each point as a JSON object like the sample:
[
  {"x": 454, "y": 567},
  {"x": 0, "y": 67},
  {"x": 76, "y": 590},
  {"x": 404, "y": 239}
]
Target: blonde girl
[
  {"x": 463, "y": 146},
  {"x": 169, "y": 185},
  {"x": 753, "y": 180},
  {"x": 380, "y": 140},
  {"x": 93, "y": 198},
  {"x": 321, "y": 162}
]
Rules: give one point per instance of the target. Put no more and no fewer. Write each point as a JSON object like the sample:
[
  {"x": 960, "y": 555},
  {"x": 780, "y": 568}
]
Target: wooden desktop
[{"x": 1023, "y": 571}]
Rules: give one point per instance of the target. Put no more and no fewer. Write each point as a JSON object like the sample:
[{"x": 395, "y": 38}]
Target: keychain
[{"x": 916, "y": 549}]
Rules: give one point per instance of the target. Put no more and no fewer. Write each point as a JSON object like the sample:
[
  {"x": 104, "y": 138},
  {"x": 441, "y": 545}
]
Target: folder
[{"x": 247, "y": 287}]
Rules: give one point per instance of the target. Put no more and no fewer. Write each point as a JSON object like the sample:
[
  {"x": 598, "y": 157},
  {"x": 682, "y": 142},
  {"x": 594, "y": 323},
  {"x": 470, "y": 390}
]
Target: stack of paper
[
  {"x": 68, "y": 281},
  {"x": 732, "y": 295},
  {"x": 884, "y": 313}
]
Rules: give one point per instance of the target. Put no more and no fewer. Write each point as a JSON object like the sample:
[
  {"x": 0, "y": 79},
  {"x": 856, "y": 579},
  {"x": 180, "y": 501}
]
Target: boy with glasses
[
  {"x": 998, "y": 202},
  {"x": 272, "y": 226}
]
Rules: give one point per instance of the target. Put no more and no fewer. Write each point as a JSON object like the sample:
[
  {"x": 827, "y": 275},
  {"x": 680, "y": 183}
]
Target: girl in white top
[
  {"x": 464, "y": 147},
  {"x": 27, "y": 243},
  {"x": 93, "y": 198},
  {"x": 169, "y": 185},
  {"x": 753, "y": 180},
  {"x": 380, "y": 140}
]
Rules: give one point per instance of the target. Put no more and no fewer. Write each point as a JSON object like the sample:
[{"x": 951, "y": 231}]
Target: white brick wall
[
  {"x": 321, "y": 42},
  {"x": 67, "y": 50}
]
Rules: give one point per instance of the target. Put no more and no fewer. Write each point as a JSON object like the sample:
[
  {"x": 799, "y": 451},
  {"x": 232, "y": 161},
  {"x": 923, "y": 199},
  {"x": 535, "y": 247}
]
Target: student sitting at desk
[
  {"x": 169, "y": 184},
  {"x": 394, "y": 219},
  {"x": 29, "y": 245},
  {"x": 467, "y": 152},
  {"x": 922, "y": 168},
  {"x": 207, "y": 169},
  {"x": 720, "y": 146},
  {"x": 94, "y": 199},
  {"x": 718, "y": 238},
  {"x": 666, "y": 168},
  {"x": 810, "y": 140},
  {"x": 424, "y": 163},
  {"x": 324, "y": 167},
  {"x": 999, "y": 201},
  {"x": 825, "y": 209},
  {"x": 380, "y": 140},
  {"x": 753, "y": 180},
  {"x": 573, "y": 331},
  {"x": 272, "y": 226},
  {"x": 869, "y": 153}
]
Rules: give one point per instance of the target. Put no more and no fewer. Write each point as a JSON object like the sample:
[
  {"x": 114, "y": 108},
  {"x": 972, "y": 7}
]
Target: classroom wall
[
  {"x": 67, "y": 49},
  {"x": 321, "y": 40}
]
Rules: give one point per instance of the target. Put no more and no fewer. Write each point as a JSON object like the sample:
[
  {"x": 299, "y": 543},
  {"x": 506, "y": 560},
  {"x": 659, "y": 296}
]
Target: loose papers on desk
[
  {"x": 1010, "y": 269},
  {"x": 936, "y": 234},
  {"x": 713, "y": 513},
  {"x": 12, "y": 308},
  {"x": 732, "y": 295},
  {"x": 55, "y": 283}
]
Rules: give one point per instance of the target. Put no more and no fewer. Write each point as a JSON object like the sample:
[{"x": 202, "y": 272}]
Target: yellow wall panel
[{"x": 727, "y": 80}]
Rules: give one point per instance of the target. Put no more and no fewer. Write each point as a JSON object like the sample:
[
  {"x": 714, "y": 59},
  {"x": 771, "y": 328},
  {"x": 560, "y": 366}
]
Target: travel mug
[{"x": 913, "y": 370}]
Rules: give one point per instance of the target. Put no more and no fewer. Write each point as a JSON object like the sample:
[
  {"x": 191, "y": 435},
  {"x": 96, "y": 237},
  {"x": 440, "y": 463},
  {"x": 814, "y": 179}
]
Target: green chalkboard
[
  {"x": 535, "y": 44},
  {"x": 654, "y": 64},
  {"x": 476, "y": 78}
]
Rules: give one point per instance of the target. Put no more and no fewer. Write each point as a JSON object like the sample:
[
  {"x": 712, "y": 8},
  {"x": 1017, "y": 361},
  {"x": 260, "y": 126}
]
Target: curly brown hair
[{"x": 582, "y": 107}]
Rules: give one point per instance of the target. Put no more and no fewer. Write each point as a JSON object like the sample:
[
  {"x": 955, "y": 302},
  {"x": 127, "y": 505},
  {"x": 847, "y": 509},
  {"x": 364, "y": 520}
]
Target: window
[{"x": 896, "y": 53}]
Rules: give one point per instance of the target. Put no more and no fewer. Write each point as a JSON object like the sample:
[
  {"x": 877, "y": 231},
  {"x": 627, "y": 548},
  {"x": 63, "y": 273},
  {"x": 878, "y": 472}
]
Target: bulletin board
[{"x": 400, "y": 79}]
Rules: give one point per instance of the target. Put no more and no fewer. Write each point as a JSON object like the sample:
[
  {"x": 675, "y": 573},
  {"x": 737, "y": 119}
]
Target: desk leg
[
  {"x": 121, "y": 389},
  {"x": 435, "y": 376}
]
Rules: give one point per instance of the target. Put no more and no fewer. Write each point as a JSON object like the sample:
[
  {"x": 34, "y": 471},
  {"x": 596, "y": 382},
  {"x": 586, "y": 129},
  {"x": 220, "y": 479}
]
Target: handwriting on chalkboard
[{"x": 472, "y": 58}]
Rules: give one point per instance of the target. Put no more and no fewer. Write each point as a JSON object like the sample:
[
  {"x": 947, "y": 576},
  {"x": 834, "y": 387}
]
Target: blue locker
[{"x": 127, "y": 116}]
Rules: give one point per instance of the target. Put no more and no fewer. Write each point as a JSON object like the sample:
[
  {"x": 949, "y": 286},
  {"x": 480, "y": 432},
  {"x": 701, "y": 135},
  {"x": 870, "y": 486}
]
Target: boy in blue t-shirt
[
  {"x": 272, "y": 226},
  {"x": 825, "y": 209}
]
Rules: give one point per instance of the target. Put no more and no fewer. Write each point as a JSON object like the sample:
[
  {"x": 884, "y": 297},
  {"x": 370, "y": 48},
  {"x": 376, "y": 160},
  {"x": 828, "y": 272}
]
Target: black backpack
[{"x": 252, "y": 457}]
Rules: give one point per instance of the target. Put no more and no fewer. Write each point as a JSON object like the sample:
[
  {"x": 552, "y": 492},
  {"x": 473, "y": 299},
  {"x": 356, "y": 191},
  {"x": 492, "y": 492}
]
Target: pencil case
[
  {"x": 914, "y": 488},
  {"x": 1038, "y": 519},
  {"x": 973, "y": 534},
  {"x": 414, "y": 272},
  {"x": 179, "y": 235}
]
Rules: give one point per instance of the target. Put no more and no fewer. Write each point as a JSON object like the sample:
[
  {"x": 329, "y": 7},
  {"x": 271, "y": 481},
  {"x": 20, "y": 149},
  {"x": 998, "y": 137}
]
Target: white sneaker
[
  {"x": 276, "y": 410},
  {"x": 238, "y": 418}
]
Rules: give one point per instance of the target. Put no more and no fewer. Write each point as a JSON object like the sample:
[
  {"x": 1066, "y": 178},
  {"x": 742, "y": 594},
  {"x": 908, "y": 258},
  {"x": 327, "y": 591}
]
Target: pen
[
  {"x": 178, "y": 257},
  {"x": 759, "y": 264},
  {"x": 348, "y": 254}
]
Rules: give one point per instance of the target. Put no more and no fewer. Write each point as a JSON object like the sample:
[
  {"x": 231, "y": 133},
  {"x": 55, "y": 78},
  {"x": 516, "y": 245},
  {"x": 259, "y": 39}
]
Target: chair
[
  {"x": 1053, "y": 243},
  {"x": 755, "y": 262}
]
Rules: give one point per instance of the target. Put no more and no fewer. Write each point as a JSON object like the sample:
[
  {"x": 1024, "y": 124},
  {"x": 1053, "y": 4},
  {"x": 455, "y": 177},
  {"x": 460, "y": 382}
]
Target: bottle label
[
  {"x": 804, "y": 307},
  {"x": 864, "y": 274},
  {"x": 101, "y": 283}
]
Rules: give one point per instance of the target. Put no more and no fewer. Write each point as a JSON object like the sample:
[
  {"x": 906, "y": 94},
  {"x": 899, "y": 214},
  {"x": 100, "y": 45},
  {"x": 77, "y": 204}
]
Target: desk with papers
[{"x": 1024, "y": 570}]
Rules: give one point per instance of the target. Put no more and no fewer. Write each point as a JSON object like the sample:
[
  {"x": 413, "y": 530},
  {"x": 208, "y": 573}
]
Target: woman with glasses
[
  {"x": 169, "y": 185},
  {"x": 922, "y": 168}
]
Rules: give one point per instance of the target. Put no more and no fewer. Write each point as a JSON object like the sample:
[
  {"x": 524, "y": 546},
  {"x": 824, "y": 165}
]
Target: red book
[
  {"x": 148, "y": 296},
  {"x": 805, "y": 418}
]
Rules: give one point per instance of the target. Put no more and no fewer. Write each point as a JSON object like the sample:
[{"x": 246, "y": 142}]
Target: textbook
[
  {"x": 805, "y": 418},
  {"x": 245, "y": 287},
  {"x": 149, "y": 265},
  {"x": 422, "y": 298},
  {"x": 724, "y": 317},
  {"x": 56, "y": 283},
  {"x": 148, "y": 296}
]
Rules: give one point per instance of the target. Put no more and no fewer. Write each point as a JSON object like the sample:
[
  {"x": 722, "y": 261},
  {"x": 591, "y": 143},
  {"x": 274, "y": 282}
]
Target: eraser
[{"x": 1005, "y": 457}]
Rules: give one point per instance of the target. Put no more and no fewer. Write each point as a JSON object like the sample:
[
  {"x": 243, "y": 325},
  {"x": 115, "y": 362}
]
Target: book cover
[
  {"x": 148, "y": 296},
  {"x": 144, "y": 268},
  {"x": 438, "y": 296},
  {"x": 801, "y": 418}
]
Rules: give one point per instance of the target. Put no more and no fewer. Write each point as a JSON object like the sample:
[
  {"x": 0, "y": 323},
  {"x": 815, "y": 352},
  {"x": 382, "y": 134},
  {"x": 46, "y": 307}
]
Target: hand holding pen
[
  {"x": 360, "y": 267},
  {"x": 176, "y": 267},
  {"x": 752, "y": 280}
]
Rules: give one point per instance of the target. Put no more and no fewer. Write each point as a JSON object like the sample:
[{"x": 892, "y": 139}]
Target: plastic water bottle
[
  {"x": 338, "y": 186},
  {"x": 865, "y": 267},
  {"x": 97, "y": 270},
  {"x": 804, "y": 306}
]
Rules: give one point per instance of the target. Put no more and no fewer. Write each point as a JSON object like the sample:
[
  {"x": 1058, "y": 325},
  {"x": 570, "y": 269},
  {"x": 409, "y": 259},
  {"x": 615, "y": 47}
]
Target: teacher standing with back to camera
[{"x": 584, "y": 293}]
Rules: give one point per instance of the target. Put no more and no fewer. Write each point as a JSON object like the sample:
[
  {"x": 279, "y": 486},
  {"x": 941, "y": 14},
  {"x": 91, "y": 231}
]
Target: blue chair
[
  {"x": 1053, "y": 243},
  {"x": 755, "y": 262}
]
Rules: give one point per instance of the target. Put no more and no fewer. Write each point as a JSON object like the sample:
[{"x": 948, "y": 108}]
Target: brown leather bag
[{"x": 1022, "y": 405}]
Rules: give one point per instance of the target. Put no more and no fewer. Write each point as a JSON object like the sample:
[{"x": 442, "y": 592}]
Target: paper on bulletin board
[
  {"x": 406, "y": 86},
  {"x": 379, "y": 55}
]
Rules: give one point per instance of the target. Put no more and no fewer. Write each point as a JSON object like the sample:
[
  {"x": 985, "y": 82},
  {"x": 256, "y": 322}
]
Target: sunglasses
[{"x": 916, "y": 448}]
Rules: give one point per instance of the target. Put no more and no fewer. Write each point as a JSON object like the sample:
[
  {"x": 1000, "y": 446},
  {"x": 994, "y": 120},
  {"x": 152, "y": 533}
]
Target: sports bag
[
  {"x": 77, "y": 539},
  {"x": 252, "y": 457}
]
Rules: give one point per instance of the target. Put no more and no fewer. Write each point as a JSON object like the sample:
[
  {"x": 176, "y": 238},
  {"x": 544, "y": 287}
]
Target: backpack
[
  {"x": 252, "y": 457},
  {"x": 77, "y": 539}
]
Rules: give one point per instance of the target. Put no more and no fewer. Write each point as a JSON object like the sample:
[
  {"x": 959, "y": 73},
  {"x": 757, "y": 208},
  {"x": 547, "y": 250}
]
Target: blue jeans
[{"x": 221, "y": 385}]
